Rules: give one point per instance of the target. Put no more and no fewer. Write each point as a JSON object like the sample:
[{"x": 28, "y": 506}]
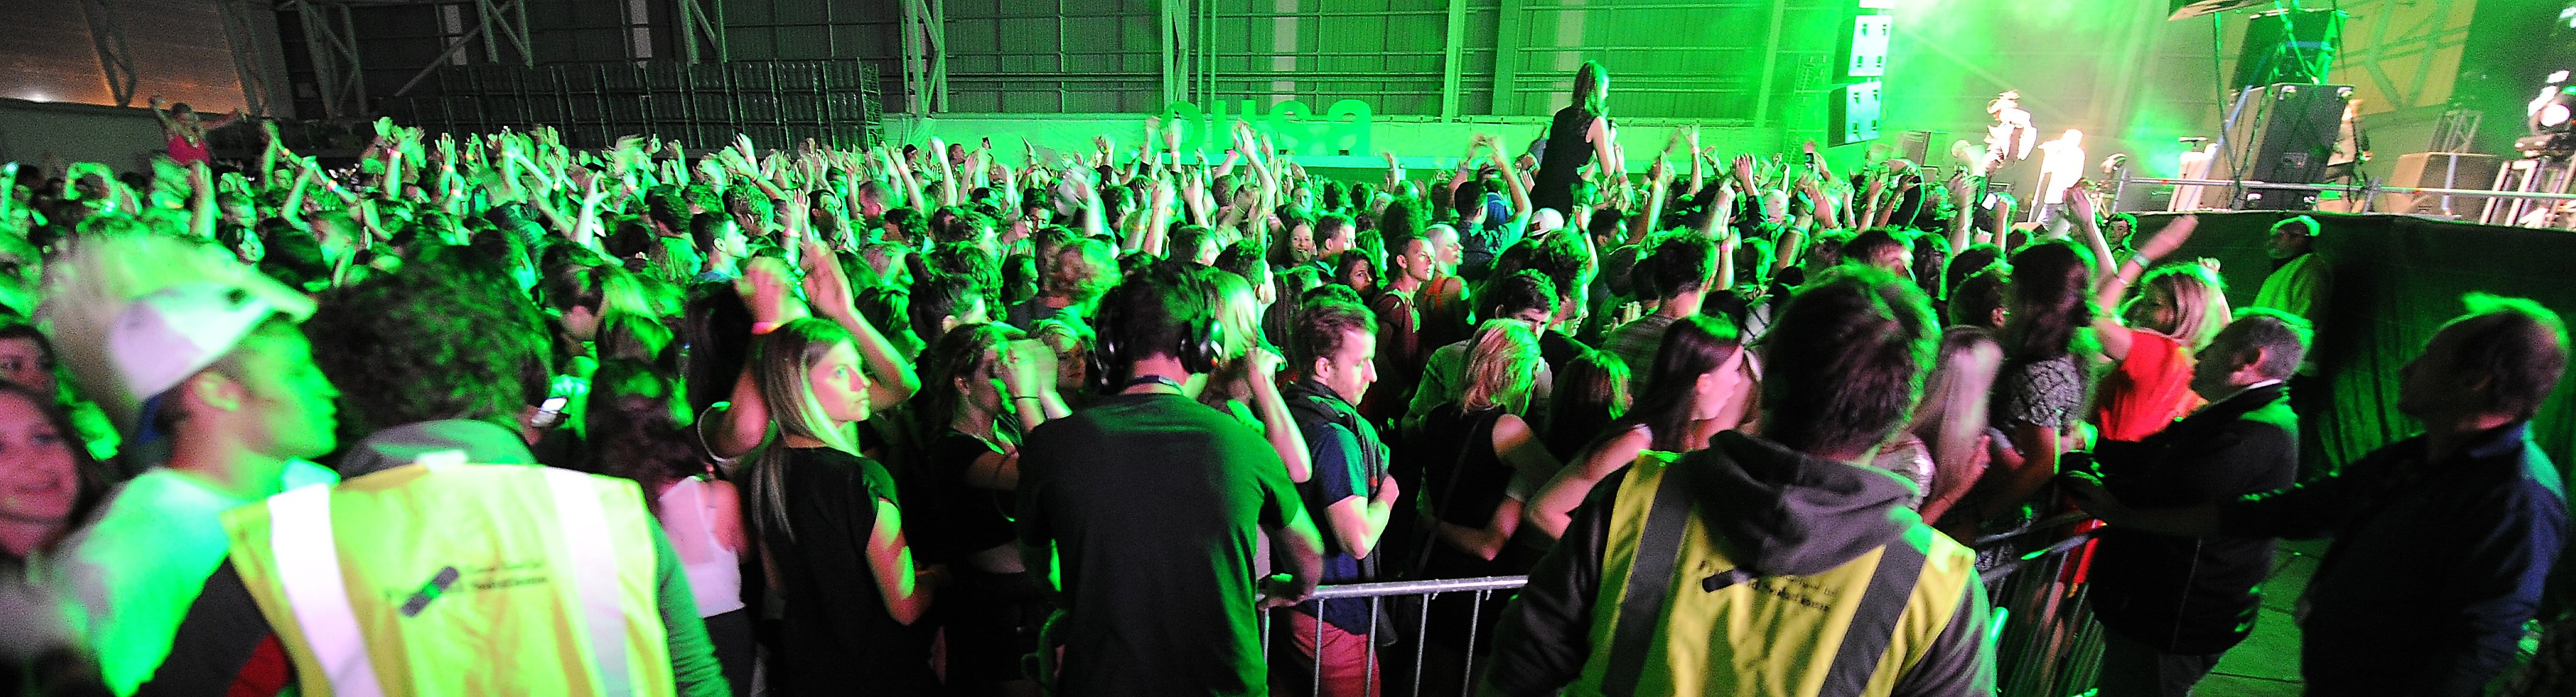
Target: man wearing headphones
[{"x": 1150, "y": 500}]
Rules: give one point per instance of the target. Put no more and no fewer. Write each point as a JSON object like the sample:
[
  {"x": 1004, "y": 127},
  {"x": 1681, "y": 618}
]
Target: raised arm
[
  {"x": 890, "y": 378},
  {"x": 2079, "y": 205},
  {"x": 1520, "y": 189}
]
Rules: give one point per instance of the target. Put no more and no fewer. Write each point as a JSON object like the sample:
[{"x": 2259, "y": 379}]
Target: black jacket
[
  {"x": 2435, "y": 564},
  {"x": 2193, "y": 595}
]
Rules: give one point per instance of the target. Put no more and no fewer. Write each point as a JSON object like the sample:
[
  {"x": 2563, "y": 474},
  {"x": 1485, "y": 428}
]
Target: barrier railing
[
  {"x": 1417, "y": 636},
  {"x": 2046, "y": 643}
]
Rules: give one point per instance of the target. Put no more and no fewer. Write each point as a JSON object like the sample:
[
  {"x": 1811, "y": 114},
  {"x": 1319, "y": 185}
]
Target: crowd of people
[{"x": 483, "y": 413}]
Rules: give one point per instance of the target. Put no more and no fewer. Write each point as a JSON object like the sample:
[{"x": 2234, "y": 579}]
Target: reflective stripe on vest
[
  {"x": 308, "y": 562},
  {"x": 594, "y": 564},
  {"x": 1674, "y": 616},
  {"x": 590, "y": 557}
]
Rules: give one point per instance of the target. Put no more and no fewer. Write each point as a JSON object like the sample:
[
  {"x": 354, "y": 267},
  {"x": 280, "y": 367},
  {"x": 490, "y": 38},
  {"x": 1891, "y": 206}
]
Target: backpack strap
[
  {"x": 1650, "y": 584},
  {"x": 1873, "y": 626}
]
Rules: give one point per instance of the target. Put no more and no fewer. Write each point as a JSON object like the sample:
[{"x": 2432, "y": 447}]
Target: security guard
[
  {"x": 1768, "y": 564},
  {"x": 444, "y": 578}
]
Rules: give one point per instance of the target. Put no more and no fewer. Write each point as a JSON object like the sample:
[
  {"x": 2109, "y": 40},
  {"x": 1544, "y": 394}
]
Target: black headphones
[{"x": 1202, "y": 340}]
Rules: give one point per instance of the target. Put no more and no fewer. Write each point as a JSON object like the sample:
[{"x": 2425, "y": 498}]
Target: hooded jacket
[{"x": 1786, "y": 544}]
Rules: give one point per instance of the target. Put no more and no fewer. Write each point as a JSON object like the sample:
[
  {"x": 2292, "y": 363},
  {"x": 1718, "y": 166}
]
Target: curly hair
[{"x": 447, "y": 337}]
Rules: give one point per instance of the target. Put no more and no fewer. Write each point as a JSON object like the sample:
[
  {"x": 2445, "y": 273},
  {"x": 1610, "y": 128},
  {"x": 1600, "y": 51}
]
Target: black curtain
[{"x": 2396, "y": 280}]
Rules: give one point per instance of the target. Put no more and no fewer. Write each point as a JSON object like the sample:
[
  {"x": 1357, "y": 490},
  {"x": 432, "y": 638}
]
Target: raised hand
[
  {"x": 763, "y": 287},
  {"x": 2170, "y": 238},
  {"x": 825, "y": 285},
  {"x": 1026, "y": 367},
  {"x": 2079, "y": 203}
]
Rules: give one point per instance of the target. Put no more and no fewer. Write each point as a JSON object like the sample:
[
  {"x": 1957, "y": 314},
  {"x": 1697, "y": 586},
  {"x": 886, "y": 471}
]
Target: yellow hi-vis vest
[
  {"x": 459, "y": 580},
  {"x": 1672, "y": 620}
]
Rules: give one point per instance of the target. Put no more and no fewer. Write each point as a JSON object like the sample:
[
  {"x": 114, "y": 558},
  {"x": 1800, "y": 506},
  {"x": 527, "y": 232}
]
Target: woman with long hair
[
  {"x": 1246, "y": 381},
  {"x": 1701, "y": 384},
  {"x": 48, "y": 485},
  {"x": 638, "y": 424},
  {"x": 831, "y": 533},
  {"x": 2151, "y": 341},
  {"x": 1580, "y": 133},
  {"x": 1481, "y": 458},
  {"x": 986, "y": 385},
  {"x": 1591, "y": 392},
  {"x": 2040, "y": 392}
]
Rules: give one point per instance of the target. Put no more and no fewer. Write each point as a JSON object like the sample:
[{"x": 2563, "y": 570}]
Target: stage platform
[{"x": 2397, "y": 278}]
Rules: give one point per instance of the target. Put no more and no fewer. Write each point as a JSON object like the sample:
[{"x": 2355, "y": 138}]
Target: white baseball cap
[{"x": 176, "y": 331}]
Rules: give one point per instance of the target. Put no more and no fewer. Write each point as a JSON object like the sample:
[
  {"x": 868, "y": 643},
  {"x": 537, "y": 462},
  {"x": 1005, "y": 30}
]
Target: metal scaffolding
[
  {"x": 108, "y": 35},
  {"x": 696, "y": 20},
  {"x": 331, "y": 42},
  {"x": 243, "y": 34}
]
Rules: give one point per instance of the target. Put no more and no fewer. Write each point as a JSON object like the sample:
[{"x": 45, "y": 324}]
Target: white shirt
[{"x": 127, "y": 578}]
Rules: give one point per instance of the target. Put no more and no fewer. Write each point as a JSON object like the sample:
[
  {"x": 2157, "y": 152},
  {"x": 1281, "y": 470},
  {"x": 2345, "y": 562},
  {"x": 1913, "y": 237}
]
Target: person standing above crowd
[
  {"x": 1159, "y": 598},
  {"x": 2443, "y": 541},
  {"x": 1580, "y": 134}
]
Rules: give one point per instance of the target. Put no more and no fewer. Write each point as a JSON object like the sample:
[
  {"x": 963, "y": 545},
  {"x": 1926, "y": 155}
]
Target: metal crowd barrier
[
  {"x": 2046, "y": 644},
  {"x": 1417, "y": 634}
]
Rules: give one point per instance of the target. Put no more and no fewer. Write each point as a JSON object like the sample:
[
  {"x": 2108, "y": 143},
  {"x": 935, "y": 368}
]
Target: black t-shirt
[
  {"x": 1152, "y": 502},
  {"x": 970, "y": 518},
  {"x": 836, "y": 632}
]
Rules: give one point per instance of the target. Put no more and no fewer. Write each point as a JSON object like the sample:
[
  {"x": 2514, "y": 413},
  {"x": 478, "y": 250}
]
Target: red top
[
  {"x": 2148, "y": 391},
  {"x": 186, "y": 153}
]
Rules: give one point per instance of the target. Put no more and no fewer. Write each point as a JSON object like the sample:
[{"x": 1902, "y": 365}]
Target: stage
[{"x": 2397, "y": 278}]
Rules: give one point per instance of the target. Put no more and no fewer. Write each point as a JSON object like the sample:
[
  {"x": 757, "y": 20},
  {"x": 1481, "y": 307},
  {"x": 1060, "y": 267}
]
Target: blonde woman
[
  {"x": 1481, "y": 459},
  {"x": 1246, "y": 382},
  {"x": 2151, "y": 341},
  {"x": 832, "y": 537}
]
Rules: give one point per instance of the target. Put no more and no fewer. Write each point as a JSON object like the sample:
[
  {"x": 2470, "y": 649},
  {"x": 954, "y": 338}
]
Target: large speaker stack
[
  {"x": 1855, "y": 107},
  {"x": 2282, "y": 134}
]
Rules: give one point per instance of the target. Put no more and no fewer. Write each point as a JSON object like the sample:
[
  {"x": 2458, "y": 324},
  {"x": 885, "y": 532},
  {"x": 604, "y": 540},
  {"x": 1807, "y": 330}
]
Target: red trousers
[{"x": 1343, "y": 659}]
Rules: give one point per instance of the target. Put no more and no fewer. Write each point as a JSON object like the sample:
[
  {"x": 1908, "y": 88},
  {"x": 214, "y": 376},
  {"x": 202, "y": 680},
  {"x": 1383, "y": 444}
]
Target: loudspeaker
[
  {"x": 2440, "y": 170},
  {"x": 1855, "y": 114},
  {"x": 2282, "y": 134},
  {"x": 2288, "y": 46},
  {"x": 1864, "y": 54}
]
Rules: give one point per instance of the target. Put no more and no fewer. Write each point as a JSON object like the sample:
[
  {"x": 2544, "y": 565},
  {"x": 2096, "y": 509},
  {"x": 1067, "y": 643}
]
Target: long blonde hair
[
  {"x": 780, "y": 363},
  {"x": 1502, "y": 364},
  {"x": 2199, "y": 300}
]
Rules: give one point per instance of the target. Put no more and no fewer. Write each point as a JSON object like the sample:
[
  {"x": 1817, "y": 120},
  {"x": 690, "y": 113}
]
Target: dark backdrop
[{"x": 2396, "y": 280}]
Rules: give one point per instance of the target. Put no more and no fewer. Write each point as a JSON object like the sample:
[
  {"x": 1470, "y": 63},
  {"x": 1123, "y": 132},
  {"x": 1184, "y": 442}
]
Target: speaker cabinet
[{"x": 2281, "y": 134}]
